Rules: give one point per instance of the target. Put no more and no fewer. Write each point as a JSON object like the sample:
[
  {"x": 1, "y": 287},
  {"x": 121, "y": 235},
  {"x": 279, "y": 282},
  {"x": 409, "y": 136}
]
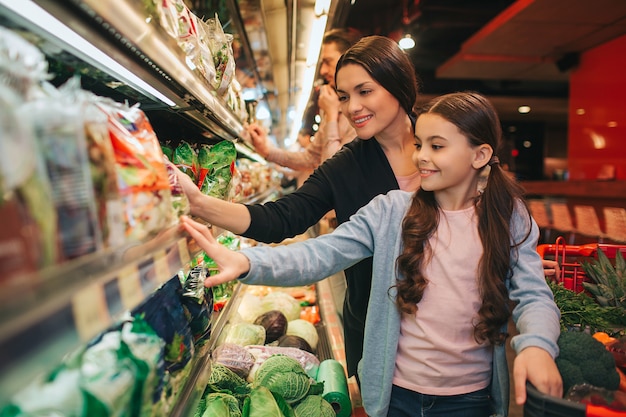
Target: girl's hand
[
  {"x": 536, "y": 366},
  {"x": 231, "y": 264}
]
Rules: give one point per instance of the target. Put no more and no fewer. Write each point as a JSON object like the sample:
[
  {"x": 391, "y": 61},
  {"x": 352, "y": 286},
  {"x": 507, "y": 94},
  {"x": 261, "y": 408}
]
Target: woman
[
  {"x": 377, "y": 161},
  {"x": 452, "y": 263}
]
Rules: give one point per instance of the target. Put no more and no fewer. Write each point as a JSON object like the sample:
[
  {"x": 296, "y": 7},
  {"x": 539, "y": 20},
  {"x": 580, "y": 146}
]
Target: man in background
[{"x": 334, "y": 130}]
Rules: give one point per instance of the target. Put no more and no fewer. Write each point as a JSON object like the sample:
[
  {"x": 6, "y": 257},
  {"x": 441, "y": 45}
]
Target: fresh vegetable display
[
  {"x": 275, "y": 324},
  {"x": 609, "y": 282}
]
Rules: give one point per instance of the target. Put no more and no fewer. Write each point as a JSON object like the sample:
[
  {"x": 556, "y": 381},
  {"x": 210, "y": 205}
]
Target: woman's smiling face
[{"x": 369, "y": 107}]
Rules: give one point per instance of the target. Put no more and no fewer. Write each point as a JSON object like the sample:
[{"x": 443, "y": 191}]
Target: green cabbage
[
  {"x": 244, "y": 334},
  {"x": 304, "y": 329},
  {"x": 284, "y": 376},
  {"x": 314, "y": 405},
  {"x": 283, "y": 302},
  {"x": 261, "y": 403},
  {"x": 221, "y": 405}
]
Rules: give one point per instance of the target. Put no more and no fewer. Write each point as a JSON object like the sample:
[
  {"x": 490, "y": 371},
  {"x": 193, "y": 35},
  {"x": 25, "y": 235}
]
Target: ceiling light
[
  {"x": 407, "y": 42},
  {"x": 523, "y": 109},
  {"x": 80, "y": 47}
]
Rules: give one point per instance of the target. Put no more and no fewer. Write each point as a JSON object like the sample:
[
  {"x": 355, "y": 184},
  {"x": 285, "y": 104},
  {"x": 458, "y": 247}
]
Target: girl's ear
[{"x": 482, "y": 155}]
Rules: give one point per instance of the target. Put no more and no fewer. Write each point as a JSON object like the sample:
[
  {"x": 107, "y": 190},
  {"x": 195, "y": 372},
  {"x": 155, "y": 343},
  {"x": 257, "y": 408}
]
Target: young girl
[{"x": 442, "y": 292}]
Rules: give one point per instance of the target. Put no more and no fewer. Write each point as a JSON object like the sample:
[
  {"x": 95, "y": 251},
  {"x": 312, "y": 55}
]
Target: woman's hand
[
  {"x": 231, "y": 264},
  {"x": 536, "y": 366},
  {"x": 190, "y": 189}
]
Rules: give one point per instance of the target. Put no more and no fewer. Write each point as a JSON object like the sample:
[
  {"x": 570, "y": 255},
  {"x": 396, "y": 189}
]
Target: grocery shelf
[
  {"x": 72, "y": 303},
  {"x": 201, "y": 366},
  {"x": 120, "y": 30}
]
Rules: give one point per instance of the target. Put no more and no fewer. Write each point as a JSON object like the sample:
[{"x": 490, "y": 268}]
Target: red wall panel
[{"x": 597, "y": 113}]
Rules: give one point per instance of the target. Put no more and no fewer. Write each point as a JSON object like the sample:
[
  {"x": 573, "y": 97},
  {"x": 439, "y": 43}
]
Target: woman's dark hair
[
  {"x": 474, "y": 115},
  {"x": 386, "y": 63}
]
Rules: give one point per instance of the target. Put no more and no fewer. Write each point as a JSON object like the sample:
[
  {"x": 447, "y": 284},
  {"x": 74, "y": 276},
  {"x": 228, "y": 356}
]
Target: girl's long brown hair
[{"x": 478, "y": 120}]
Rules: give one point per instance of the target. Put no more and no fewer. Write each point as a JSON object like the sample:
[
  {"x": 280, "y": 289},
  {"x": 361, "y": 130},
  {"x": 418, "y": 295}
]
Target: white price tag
[
  {"x": 91, "y": 314},
  {"x": 129, "y": 284}
]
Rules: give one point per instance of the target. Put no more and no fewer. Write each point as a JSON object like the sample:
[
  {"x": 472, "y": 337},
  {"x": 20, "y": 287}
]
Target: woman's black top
[{"x": 346, "y": 182}]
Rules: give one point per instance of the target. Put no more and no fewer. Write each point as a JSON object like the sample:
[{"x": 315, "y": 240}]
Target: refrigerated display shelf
[{"x": 68, "y": 305}]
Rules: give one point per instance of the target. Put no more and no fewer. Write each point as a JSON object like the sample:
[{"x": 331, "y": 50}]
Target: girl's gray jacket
[{"x": 375, "y": 231}]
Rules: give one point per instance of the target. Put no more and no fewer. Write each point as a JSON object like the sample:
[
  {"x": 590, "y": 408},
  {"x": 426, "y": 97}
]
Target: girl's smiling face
[
  {"x": 369, "y": 107},
  {"x": 448, "y": 164}
]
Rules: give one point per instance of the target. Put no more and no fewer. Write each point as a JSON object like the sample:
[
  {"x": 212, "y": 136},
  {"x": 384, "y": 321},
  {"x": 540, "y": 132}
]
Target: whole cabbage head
[
  {"x": 314, "y": 405},
  {"x": 285, "y": 376}
]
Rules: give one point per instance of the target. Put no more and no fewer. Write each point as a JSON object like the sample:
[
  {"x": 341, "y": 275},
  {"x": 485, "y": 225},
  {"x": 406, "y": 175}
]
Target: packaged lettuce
[
  {"x": 186, "y": 159},
  {"x": 218, "y": 161}
]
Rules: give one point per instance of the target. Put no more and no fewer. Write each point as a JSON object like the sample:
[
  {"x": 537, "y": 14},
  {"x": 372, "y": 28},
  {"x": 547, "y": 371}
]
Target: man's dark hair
[{"x": 344, "y": 38}]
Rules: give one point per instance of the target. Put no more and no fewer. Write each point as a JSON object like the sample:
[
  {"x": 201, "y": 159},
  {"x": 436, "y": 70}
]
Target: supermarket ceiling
[{"x": 509, "y": 50}]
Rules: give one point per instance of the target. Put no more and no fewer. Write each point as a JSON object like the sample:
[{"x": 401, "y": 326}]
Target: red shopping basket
[{"x": 570, "y": 257}]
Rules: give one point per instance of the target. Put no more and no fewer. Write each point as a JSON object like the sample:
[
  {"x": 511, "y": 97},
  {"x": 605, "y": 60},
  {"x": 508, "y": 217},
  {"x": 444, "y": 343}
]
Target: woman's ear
[{"x": 483, "y": 154}]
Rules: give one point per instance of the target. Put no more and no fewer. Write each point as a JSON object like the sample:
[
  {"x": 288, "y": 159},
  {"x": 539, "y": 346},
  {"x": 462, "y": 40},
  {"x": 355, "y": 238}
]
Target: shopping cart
[{"x": 571, "y": 257}]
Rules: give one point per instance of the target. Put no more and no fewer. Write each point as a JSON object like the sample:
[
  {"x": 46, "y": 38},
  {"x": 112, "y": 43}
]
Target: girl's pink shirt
[{"x": 437, "y": 353}]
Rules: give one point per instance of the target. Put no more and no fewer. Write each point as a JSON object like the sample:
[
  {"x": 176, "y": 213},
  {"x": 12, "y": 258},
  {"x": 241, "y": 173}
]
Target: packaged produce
[
  {"x": 164, "y": 313},
  {"x": 59, "y": 126},
  {"x": 186, "y": 159},
  {"x": 215, "y": 165},
  {"x": 142, "y": 177},
  {"x": 220, "y": 44},
  {"x": 197, "y": 302},
  {"x": 236, "y": 358},
  {"x": 180, "y": 202},
  {"x": 29, "y": 237}
]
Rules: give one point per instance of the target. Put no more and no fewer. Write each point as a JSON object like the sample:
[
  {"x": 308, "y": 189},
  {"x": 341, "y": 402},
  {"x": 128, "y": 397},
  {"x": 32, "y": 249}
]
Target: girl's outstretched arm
[{"x": 231, "y": 264}]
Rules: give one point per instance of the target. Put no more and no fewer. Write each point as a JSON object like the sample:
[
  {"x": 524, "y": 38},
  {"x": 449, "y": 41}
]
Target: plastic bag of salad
[
  {"x": 220, "y": 44},
  {"x": 142, "y": 177}
]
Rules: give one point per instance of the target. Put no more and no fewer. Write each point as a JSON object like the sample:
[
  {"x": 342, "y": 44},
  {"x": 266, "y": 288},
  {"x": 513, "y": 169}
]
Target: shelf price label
[
  {"x": 161, "y": 267},
  {"x": 129, "y": 284},
  {"x": 91, "y": 314}
]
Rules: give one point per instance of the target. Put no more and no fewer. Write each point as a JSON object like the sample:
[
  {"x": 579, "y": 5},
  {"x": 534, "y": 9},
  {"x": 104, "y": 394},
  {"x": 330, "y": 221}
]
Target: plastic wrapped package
[
  {"x": 236, "y": 358},
  {"x": 220, "y": 44},
  {"x": 102, "y": 163},
  {"x": 180, "y": 202},
  {"x": 28, "y": 238},
  {"x": 197, "y": 302},
  {"x": 142, "y": 177},
  {"x": 164, "y": 313},
  {"x": 216, "y": 165},
  {"x": 186, "y": 159},
  {"x": 59, "y": 127}
]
